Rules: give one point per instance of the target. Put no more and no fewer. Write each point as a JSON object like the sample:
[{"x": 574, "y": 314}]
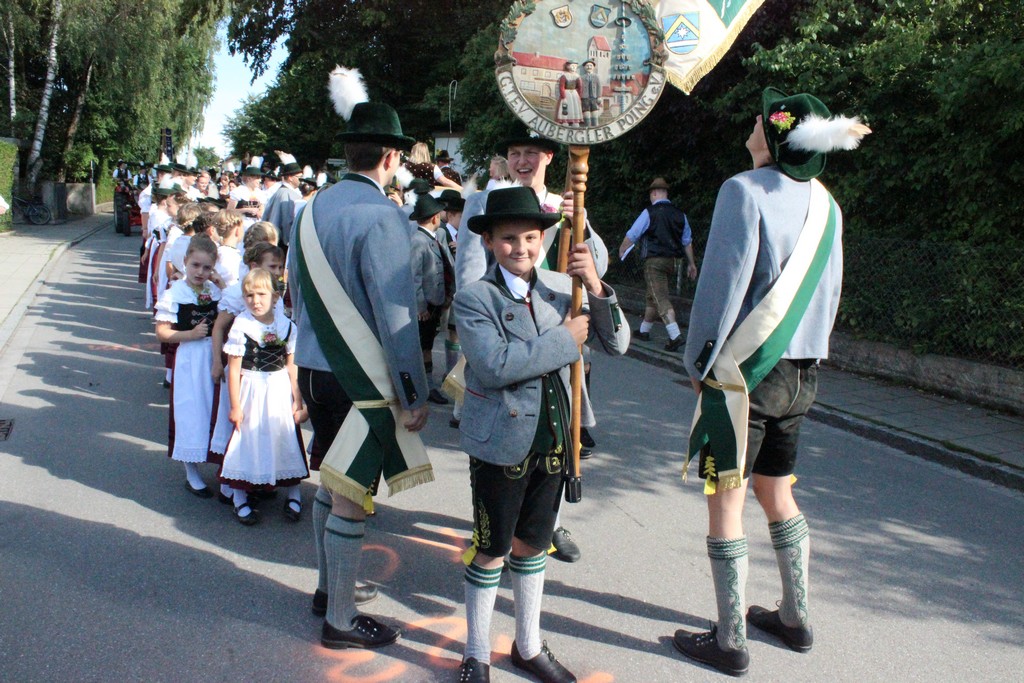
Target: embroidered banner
[{"x": 698, "y": 33}]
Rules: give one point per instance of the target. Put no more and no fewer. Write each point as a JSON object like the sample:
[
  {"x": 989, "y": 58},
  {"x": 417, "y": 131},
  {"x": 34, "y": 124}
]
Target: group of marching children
[{"x": 217, "y": 293}]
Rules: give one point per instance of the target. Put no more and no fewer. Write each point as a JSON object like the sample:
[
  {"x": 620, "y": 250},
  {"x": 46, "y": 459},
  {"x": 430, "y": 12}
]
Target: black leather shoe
[
  {"x": 675, "y": 344},
  {"x": 204, "y": 492},
  {"x": 641, "y": 336},
  {"x": 290, "y": 512},
  {"x": 566, "y": 549},
  {"x": 222, "y": 499},
  {"x": 437, "y": 397},
  {"x": 248, "y": 520},
  {"x": 362, "y": 594},
  {"x": 473, "y": 671},
  {"x": 586, "y": 440},
  {"x": 453, "y": 423},
  {"x": 544, "y": 666},
  {"x": 366, "y": 633},
  {"x": 797, "y": 638},
  {"x": 703, "y": 647}
]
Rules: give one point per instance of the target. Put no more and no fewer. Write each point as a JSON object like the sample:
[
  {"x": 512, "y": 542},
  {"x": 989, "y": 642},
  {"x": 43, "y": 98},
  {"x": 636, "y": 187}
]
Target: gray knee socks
[
  {"x": 343, "y": 544},
  {"x": 792, "y": 543},
  {"x": 729, "y": 572},
  {"x": 321, "y": 510}
]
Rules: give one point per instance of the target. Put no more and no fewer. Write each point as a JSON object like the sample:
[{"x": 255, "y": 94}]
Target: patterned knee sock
[
  {"x": 481, "y": 591},
  {"x": 792, "y": 542},
  {"x": 729, "y": 573},
  {"x": 527, "y": 591},
  {"x": 321, "y": 510},
  {"x": 343, "y": 543}
]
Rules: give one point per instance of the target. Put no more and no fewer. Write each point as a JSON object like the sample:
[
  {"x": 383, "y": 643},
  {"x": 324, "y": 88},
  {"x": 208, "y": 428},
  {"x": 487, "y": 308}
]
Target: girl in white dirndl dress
[
  {"x": 266, "y": 406},
  {"x": 185, "y": 314}
]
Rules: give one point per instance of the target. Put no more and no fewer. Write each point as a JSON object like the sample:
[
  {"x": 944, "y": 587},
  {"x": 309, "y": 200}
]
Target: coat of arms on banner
[
  {"x": 682, "y": 32},
  {"x": 599, "y": 16},
  {"x": 562, "y": 16}
]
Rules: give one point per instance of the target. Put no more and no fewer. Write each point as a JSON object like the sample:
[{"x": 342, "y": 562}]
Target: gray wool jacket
[
  {"x": 366, "y": 240},
  {"x": 507, "y": 350},
  {"x": 758, "y": 217}
]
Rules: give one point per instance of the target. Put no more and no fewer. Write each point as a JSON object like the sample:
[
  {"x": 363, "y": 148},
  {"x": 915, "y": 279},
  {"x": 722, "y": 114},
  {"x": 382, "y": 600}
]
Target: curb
[
  {"x": 974, "y": 464},
  {"x": 17, "y": 314}
]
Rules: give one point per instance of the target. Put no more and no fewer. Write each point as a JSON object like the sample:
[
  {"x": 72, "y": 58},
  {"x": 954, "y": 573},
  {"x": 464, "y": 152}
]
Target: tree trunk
[
  {"x": 8, "y": 33},
  {"x": 35, "y": 158},
  {"x": 76, "y": 118}
]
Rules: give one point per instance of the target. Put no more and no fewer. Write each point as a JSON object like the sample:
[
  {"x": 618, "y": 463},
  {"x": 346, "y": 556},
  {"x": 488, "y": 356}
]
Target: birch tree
[
  {"x": 35, "y": 158},
  {"x": 7, "y": 31}
]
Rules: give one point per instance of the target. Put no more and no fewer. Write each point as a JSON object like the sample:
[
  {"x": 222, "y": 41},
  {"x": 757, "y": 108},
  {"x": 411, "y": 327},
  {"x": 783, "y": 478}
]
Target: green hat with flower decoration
[{"x": 800, "y": 131}]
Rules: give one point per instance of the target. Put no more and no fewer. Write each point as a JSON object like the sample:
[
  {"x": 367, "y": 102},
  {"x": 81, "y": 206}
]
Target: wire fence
[{"x": 950, "y": 299}]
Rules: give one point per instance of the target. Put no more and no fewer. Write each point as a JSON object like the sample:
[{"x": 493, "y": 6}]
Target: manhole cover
[{"x": 6, "y": 426}]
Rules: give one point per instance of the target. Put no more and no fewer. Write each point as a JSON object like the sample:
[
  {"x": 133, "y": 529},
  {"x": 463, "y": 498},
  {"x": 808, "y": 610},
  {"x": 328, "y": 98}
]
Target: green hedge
[
  {"x": 104, "y": 184},
  {"x": 952, "y": 299},
  {"x": 7, "y": 154}
]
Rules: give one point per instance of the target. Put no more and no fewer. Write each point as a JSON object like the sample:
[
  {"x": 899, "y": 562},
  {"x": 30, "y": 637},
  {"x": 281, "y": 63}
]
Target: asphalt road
[{"x": 110, "y": 571}]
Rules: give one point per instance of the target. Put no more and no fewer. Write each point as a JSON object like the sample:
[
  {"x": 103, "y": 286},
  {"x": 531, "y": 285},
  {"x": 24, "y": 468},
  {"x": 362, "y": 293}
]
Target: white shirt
[{"x": 517, "y": 285}]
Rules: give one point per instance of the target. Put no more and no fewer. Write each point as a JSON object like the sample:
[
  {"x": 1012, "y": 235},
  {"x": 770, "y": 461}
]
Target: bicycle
[{"x": 33, "y": 209}]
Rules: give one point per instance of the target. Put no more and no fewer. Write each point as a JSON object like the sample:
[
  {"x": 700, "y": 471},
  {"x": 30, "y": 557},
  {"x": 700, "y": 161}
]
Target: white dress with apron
[
  {"x": 231, "y": 301},
  {"x": 266, "y": 450},
  {"x": 192, "y": 387}
]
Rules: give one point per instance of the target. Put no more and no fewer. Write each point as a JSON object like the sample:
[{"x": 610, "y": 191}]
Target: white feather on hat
[
  {"x": 347, "y": 90},
  {"x": 182, "y": 157},
  {"x": 285, "y": 157},
  {"x": 403, "y": 176},
  {"x": 229, "y": 167},
  {"x": 163, "y": 159},
  {"x": 816, "y": 134},
  {"x": 257, "y": 162},
  {"x": 307, "y": 171},
  {"x": 469, "y": 187}
]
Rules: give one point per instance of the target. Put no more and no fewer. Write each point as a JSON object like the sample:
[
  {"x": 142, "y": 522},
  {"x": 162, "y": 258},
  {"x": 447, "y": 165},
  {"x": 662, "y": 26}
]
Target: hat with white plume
[
  {"x": 168, "y": 187},
  {"x": 229, "y": 167},
  {"x": 367, "y": 121},
  {"x": 800, "y": 131},
  {"x": 308, "y": 175},
  {"x": 289, "y": 166},
  {"x": 254, "y": 168},
  {"x": 165, "y": 164}
]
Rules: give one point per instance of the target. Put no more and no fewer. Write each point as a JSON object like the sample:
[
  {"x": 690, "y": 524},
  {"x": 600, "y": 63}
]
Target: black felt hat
[
  {"x": 426, "y": 206},
  {"x": 521, "y": 135},
  {"x": 452, "y": 200},
  {"x": 512, "y": 204}
]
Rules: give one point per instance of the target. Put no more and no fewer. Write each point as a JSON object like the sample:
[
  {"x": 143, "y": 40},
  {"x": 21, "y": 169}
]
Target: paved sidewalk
[
  {"x": 29, "y": 251},
  {"x": 980, "y": 441}
]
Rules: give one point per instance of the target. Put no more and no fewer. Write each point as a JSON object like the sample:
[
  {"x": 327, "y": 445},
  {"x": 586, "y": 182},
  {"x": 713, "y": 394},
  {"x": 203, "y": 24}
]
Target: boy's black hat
[
  {"x": 512, "y": 204},
  {"x": 426, "y": 207},
  {"x": 452, "y": 200},
  {"x": 520, "y": 135}
]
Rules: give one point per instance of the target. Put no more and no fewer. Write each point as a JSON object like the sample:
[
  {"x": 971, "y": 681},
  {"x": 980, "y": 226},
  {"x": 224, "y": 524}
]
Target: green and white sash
[
  {"x": 757, "y": 345},
  {"x": 372, "y": 438}
]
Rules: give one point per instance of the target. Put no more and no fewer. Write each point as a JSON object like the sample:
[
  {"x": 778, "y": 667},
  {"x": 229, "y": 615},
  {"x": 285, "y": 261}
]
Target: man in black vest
[{"x": 663, "y": 233}]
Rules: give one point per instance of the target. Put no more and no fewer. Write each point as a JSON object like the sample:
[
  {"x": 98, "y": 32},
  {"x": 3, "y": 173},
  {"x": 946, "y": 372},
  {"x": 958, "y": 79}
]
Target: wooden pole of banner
[
  {"x": 579, "y": 156},
  {"x": 565, "y": 228}
]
